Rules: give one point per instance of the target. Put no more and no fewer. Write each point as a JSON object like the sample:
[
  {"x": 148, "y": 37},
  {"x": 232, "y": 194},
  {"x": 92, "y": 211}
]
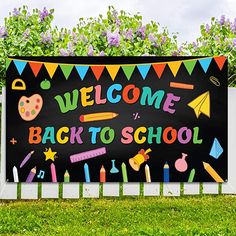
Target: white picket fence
[{"x": 96, "y": 190}]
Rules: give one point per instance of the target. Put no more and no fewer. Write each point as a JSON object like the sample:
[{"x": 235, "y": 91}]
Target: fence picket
[
  {"x": 191, "y": 188},
  {"x": 111, "y": 189},
  {"x": 50, "y": 190},
  {"x": 91, "y": 190},
  {"x": 210, "y": 188},
  {"x": 171, "y": 189},
  {"x": 70, "y": 190},
  {"x": 131, "y": 189},
  {"x": 29, "y": 191},
  {"x": 151, "y": 189}
]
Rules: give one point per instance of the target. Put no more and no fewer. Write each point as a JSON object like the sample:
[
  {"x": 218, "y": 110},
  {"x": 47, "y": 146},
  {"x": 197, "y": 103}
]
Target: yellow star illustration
[{"x": 50, "y": 154}]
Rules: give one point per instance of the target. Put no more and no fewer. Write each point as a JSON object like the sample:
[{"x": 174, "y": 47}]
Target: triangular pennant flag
[
  {"x": 174, "y": 66},
  {"x": 220, "y": 61},
  {"x": 143, "y": 69},
  {"x": 216, "y": 149},
  {"x": 159, "y": 68},
  {"x": 35, "y": 67},
  {"x": 8, "y": 62},
  {"x": 113, "y": 70},
  {"x": 51, "y": 68},
  {"x": 82, "y": 70},
  {"x": 189, "y": 65},
  {"x": 66, "y": 69},
  {"x": 205, "y": 62},
  {"x": 128, "y": 70},
  {"x": 97, "y": 70},
  {"x": 20, "y": 66}
]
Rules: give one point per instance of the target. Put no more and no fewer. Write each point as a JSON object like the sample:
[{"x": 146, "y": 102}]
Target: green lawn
[{"x": 200, "y": 215}]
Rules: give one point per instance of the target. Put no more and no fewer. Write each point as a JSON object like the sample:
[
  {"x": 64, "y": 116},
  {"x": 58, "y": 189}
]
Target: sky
[{"x": 182, "y": 16}]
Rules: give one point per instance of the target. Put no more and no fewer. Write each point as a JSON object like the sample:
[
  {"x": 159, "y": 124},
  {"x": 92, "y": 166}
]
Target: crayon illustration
[
  {"x": 31, "y": 175},
  {"x": 181, "y": 85},
  {"x": 212, "y": 172},
  {"x": 53, "y": 173},
  {"x": 124, "y": 172},
  {"x": 166, "y": 173},
  {"x": 98, "y": 116},
  {"x": 66, "y": 177},
  {"x": 201, "y": 104},
  {"x": 15, "y": 174},
  {"x": 26, "y": 159},
  {"x": 136, "y": 161},
  {"x": 102, "y": 175},
  {"x": 191, "y": 175},
  {"x": 147, "y": 173},
  {"x": 86, "y": 173}
]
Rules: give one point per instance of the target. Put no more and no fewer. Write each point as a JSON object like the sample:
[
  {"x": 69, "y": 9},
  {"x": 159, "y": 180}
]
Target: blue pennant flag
[
  {"x": 82, "y": 70},
  {"x": 216, "y": 149},
  {"x": 143, "y": 69},
  {"x": 205, "y": 63},
  {"x": 20, "y": 66}
]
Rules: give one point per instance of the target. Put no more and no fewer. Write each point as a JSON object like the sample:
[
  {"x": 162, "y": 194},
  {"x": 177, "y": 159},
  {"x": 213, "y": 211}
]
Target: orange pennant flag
[
  {"x": 174, "y": 66},
  {"x": 159, "y": 68},
  {"x": 51, "y": 68},
  {"x": 35, "y": 67},
  {"x": 113, "y": 70},
  {"x": 220, "y": 61},
  {"x": 97, "y": 70}
]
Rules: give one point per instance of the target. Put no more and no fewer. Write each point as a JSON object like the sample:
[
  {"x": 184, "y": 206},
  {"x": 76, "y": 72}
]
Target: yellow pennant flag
[
  {"x": 113, "y": 70},
  {"x": 51, "y": 68},
  {"x": 174, "y": 66}
]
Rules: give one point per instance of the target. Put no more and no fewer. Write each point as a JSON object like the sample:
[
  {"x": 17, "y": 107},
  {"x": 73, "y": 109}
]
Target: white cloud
[{"x": 181, "y": 16}]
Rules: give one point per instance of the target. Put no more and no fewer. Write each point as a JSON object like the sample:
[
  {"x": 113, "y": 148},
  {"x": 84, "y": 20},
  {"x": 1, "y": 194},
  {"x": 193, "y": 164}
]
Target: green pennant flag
[
  {"x": 66, "y": 69},
  {"x": 8, "y": 62},
  {"x": 128, "y": 70},
  {"x": 189, "y": 65}
]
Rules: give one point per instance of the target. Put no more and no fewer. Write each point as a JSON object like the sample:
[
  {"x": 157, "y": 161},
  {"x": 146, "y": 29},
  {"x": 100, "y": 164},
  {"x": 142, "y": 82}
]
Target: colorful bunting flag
[
  {"x": 189, "y": 65},
  {"x": 51, "y": 68},
  {"x": 8, "y": 62},
  {"x": 159, "y": 68},
  {"x": 143, "y": 69},
  {"x": 220, "y": 61},
  {"x": 174, "y": 66},
  {"x": 20, "y": 66},
  {"x": 113, "y": 70},
  {"x": 66, "y": 69},
  {"x": 128, "y": 71},
  {"x": 205, "y": 62},
  {"x": 35, "y": 67},
  {"x": 82, "y": 70},
  {"x": 97, "y": 71}
]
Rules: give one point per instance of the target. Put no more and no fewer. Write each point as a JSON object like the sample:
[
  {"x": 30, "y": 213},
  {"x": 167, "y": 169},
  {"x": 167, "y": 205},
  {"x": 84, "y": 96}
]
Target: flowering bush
[{"x": 31, "y": 34}]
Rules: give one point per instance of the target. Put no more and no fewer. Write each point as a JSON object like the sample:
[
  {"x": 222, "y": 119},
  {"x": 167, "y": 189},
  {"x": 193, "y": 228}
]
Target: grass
[{"x": 199, "y": 215}]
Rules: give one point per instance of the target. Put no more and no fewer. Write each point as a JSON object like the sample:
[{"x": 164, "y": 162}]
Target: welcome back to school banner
[{"x": 116, "y": 119}]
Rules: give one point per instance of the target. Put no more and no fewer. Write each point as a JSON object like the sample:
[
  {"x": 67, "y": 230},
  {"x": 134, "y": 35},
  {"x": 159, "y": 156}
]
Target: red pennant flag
[
  {"x": 220, "y": 61},
  {"x": 159, "y": 68},
  {"x": 97, "y": 70},
  {"x": 35, "y": 67}
]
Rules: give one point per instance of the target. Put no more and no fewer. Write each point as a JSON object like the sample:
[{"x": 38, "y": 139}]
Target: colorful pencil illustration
[
  {"x": 15, "y": 174},
  {"x": 166, "y": 173},
  {"x": 86, "y": 173},
  {"x": 124, "y": 172},
  {"x": 191, "y": 175},
  {"x": 98, "y": 116},
  {"x": 31, "y": 175},
  {"x": 53, "y": 173},
  {"x": 212, "y": 172},
  {"x": 102, "y": 175},
  {"x": 28, "y": 156},
  {"x": 147, "y": 173},
  {"x": 66, "y": 177}
]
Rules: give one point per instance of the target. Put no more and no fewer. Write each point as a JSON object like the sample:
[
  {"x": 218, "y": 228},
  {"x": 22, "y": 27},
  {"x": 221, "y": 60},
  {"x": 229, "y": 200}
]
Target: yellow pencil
[
  {"x": 212, "y": 172},
  {"x": 147, "y": 173},
  {"x": 98, "y": 116}
]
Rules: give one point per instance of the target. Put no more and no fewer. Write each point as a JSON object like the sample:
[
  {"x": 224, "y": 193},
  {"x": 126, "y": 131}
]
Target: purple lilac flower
[
  {"x": 234, "y": 42},
  {"x": 217, "y": 38},
  {"x": 90, "y": 50},
  {"x": 141, "y": 31},
  {"x": 113, "y": 38},
  {"x": 83, "y": 38},
  {"x": 102, "y": 54},
  {"x": 151, "y": 38},
  {"x": 16, "y": 12},
  {"x": 118, "y": 23},
  {"x": 3, "y": 32},
  {"x": 63, "y": 52},
  {"x": 222, "y": 20},
  {"x": 207, "y": 28},
  {"x": 70, "y": 49},
  {"x": 46, "y": 37},
  {"x": 174, "y": 54},
  {"x": 74, "y": 38},
  {"x": 194, "y": 45},
  {"x": 26, "y": 34},
  {"x": 43, "y": 14},
  {"x": 163, "y": 39},
  {"x": 180, "y": 49},
  {"x": 145, "y": 55},
  {"x": 129, "y": 35}
]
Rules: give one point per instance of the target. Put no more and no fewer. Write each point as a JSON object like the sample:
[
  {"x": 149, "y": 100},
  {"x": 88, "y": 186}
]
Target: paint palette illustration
[{"x": 29, "y": 107}]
